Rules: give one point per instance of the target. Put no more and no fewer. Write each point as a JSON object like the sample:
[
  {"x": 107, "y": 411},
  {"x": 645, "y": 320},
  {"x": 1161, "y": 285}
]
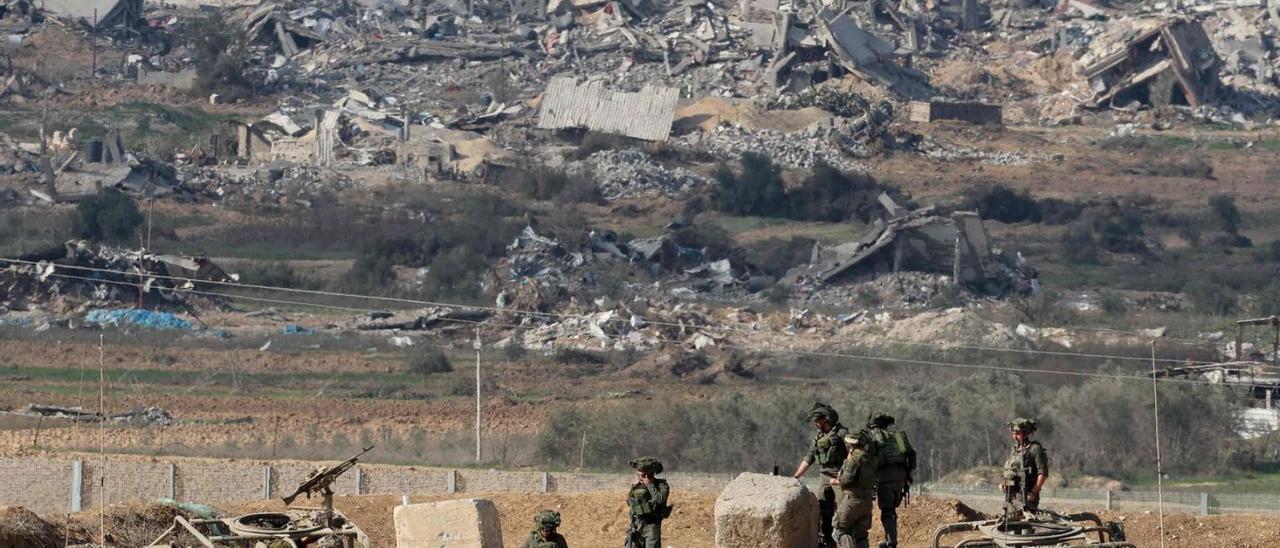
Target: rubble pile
[
  {"x": 77, "y": 273},
  {"x": 800, "y": 150},
  {"x": 633, "y": 173}
]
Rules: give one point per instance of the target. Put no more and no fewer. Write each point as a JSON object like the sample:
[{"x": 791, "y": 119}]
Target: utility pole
[
  {"x": 476, "y": 344},
  {"x": 94, "y": 70}
]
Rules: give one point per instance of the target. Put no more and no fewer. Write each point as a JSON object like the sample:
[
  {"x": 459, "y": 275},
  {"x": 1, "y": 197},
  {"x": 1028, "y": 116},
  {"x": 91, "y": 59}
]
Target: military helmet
[
  {"x": 649, "y": 465},
  {"x": 1025, "y": 426},
  {"x": 820, "y": 409},
  {"x": 547, "y": 519},
  {"x": 861, "y": 438},
  {"x": 879, "y": 420}
]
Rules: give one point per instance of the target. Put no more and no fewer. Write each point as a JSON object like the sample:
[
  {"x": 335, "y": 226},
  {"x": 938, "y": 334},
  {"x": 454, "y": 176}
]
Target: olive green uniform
[
  {"x": 828, "y": 451},
  {"x": 897, "y": 459},
  {"x": 1024, "y": 464},
  {"x": 648, "y": 508},
  {"x": 853, "y": 510},
  {"x": 535, "y": 540}
]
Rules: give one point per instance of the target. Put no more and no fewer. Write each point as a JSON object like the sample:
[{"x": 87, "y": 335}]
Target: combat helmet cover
[
  {"x": 649, "y": 465},
  {"x": 820, "y": 409},
  {"x": 1025, "y": 426},
  {"x": 879, "y": 420},
  {"x": 547, "y": 519},
  {"x": 861, "y": 438}
]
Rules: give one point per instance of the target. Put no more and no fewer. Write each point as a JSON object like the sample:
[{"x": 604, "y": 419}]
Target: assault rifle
[
  {"x": 321, "y": 481},
  {"x": 632, "y": 531}
]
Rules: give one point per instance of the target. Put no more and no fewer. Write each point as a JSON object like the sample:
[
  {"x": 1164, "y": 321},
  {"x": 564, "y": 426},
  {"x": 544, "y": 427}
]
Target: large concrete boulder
[
  {"x": 757, "y": 510},
  {"x": 465, "y": 523}
]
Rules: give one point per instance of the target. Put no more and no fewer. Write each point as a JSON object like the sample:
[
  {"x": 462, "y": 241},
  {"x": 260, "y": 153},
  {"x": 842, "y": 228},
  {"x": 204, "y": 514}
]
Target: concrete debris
[
  {"x": 78, "y": 272},
  {"x": 976, "y": 113},
  {"x": 633, "y": 173},
  {"x": 470, "y": 523},
  {"x": 763, "y": 510},
  {"x": 144, "y": 416},
  {"x": 1158, "y": 62},
  {"x": 922, "y": 241}
]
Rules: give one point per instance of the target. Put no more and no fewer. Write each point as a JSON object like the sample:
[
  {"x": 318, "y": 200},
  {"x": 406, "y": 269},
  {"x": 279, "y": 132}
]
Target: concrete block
[
  {"x": 757, "y": 510},
  {"x": 465, "y": 523}
]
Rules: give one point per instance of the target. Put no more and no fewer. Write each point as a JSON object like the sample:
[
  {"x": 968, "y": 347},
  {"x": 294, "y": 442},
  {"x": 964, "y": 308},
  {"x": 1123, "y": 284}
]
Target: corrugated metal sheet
[
  {"x": 83, "y": 9},
  {"x": 645, "y": 115}
]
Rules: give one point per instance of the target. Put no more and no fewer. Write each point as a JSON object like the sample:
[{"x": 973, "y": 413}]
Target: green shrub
[
  {"x": 430, "y": 362},
  {"x": 1267, "y": 302},
  {"x": 1001, "y": 203},
  {"x": 1080, "y": 245},
  {"x": 776, "y": 256},
  {"x": 1210, "y": 297},
  {"x": 221, "y": 56},
  {"x": 757, "y": 191},
  {"x": 110, "y": 215},
  {"x": 830, "y": 195}
]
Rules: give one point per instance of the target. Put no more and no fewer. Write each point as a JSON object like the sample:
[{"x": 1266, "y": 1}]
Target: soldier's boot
[
  {"x": 827, "y": 509},
  {"x": 890, "y": 522}
]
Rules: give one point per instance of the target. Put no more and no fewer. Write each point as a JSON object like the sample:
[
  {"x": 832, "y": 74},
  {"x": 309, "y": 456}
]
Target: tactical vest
[
  {"x": 829, "y": 447},
  {"x": 1019, "y": 466},
  {"x": 893, "y": 447},
  {"x": 643, "y": 505}
]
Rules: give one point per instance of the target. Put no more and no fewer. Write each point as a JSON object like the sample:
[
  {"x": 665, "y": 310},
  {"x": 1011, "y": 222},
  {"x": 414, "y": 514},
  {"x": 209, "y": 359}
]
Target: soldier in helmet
[
  {"x": 1028, "y": 466},
  {"x": 828, "y": 451},
  {"x": 856, "y": 481},
  {"x": 648, "y": 502},
  {"x": 896, "y": 461},
  {"x": 544, "y": 533}
]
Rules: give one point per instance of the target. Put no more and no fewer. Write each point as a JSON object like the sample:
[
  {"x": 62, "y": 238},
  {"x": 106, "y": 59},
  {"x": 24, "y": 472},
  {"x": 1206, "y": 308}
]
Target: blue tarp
[
  {"x": 140, "y": 318},
  {"x": 295, "y": 329}
]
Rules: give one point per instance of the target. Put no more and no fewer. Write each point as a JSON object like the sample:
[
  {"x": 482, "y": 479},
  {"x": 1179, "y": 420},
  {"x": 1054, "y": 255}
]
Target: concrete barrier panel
[{"x": 465, "y": 523}]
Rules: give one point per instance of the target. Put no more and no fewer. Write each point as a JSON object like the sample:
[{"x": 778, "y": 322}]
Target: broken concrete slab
[
  {"x": 761, "y": 510},
  {"x": 972, "y": 112},
  {"x": 465, "y": 523}
]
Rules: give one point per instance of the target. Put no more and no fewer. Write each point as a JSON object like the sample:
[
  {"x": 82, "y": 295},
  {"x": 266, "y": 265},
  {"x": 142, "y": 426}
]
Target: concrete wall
[{"x": 47, "y": 484}]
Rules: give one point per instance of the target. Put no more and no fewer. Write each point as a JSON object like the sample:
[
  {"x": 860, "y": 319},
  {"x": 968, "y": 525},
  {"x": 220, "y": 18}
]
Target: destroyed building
[
  {"x": 920, "y": 241},
  {"x": 1154, "y": 62}
]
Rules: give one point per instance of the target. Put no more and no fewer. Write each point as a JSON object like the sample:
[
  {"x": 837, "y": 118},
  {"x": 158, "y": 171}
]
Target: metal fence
[{"x": 990, "y": 499}]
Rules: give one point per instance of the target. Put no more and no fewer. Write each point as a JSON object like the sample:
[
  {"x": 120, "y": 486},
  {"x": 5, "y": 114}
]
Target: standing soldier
[
  {"x": 544, "y": 534},
  {"x": 648, "y": 502},
  {"x": 857, "y": 482},
  {"x": 1027, "y": 468},
  {"x": 897, "y": 461},
  {"x": 828, "y": 451}
]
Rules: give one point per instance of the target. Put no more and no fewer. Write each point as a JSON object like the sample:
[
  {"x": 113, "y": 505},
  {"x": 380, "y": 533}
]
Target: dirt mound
[
  {"x": 19, "y": 528},
  {"x": 918, "y": 520},
  {"x": 130, "y": 524},
  {"x": 954, "y": 326}
]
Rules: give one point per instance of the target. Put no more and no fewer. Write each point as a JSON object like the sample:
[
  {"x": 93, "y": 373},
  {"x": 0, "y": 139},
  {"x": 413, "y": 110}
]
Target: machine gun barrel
[{"x": 321, "y": 480}]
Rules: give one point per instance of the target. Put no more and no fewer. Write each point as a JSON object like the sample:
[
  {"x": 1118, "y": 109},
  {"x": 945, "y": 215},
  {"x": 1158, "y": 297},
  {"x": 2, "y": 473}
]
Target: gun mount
[
  {"x": 1035, "y": 528},
  {"x": 295, "y": 527}
]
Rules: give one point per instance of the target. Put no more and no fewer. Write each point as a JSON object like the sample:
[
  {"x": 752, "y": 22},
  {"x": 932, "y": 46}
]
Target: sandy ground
[{"x": 599, "y": 519}]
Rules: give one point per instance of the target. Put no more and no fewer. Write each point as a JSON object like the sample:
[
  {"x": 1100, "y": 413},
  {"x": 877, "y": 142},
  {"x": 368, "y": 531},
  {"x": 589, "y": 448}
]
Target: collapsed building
[
  {"x": 921, "y": 241},
  {"x": 1155, "y": 61},
  {"x": 81, "y": 271}
]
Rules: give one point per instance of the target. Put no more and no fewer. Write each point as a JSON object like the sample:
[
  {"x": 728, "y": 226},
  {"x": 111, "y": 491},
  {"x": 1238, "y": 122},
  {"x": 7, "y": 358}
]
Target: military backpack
[{"x": 893, "y": 447}]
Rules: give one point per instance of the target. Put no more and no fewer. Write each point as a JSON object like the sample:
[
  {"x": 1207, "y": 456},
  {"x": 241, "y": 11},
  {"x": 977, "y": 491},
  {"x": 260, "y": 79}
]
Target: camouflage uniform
[
  {"x": 828, "y": 451},
  {"x": 553, "y": 540},
  {"x": 897, "y": 460},
  {"x": 857, "y": 487},
  {"x": 648, "y": 506},
  {"x": 1025, "y": 463},
  {"x": 548, "y": 521}
]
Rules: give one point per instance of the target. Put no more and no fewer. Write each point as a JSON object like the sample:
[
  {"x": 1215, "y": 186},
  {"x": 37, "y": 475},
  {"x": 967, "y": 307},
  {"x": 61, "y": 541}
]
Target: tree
[
  {"x": 1210, "y": 297},
  {"x": 221, "y": 57},
  {"x": 111, "y": 215},
  {"x": 1228, "y": 216},
  {"x": 757, "y": 191},
  {"x": 429, "y": 363},
  {"x": 1001, "y": 203}
]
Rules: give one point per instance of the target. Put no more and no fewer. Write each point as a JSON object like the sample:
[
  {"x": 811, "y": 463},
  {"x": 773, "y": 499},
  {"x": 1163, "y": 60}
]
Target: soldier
[
  {"x": 544, "y": 533},
  {"x": 857, "y": 481},
  {"x": 648, "y": 502},
  {"x": 1027, "y": 467},
  {"x": 897, "y": 461},
  {"x": 828, "y": 451}
]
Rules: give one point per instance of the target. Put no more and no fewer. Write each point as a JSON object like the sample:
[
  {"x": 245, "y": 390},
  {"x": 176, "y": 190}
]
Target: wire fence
[{"x": 989, "y": 499}]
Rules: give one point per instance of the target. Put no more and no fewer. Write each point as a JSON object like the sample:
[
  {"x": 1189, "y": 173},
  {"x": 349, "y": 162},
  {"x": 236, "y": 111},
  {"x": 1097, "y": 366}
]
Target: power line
[
  {"x": 659, "y": 340},
  {"x": 555, "y": 315}
]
